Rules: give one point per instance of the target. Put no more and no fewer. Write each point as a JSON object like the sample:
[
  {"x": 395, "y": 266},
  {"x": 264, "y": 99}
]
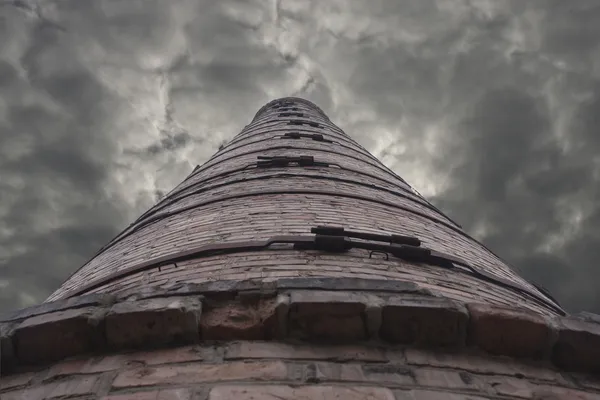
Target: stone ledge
[
  {"x": 153, "y": 322},
  {"x": 267, "y": 312},
  {"x": 328, "y": 315},
  {"x": 7, "y": 348},
  {"x": 578, "y": 345},
  {"x": 424, "y": 321},
  {"x": 88, "y": 300},
  {"x": 510, "y": 331},
  {"x": 57, "y": 335},
  {"x": 232, "y": 288}
]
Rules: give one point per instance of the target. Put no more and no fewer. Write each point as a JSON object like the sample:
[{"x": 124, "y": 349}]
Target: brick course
[{"x": 292, "y": 370}]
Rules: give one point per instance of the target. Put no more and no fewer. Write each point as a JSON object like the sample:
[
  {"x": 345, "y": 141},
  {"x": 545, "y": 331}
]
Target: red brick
[
  {"x": 34, "y": 393},
  {"x": 331, "y": 372},
  {"x": 54, "y": 336},
  {"x": 328, "y": 315},
  {"x": 195, "y": 373},
  {"x": 7, "y": 347},
  {"x": 247, "y": 320},
  {"x": 588, "y": 381},
  {"x": 85, "y": 366},
  {"x": 172, "y": 355},
  {"x": 72, "y": 387},
  {"x": 509, "y": 331},
  {"x": 448, "y": 379},
  {"x": 279, "y": 214},
  {"x": 114, "y": 362},
  {"x": 434, "y": 395},
  {"x": 80, "y": 386},
  {"x": 155, "y": 321},
  {"x": 513, "y": 387},
  {"x": 257, "y": 350},
  {"x": 480, "y": 364},
  {"x": 302, "y": 392},
  {"x": 424, "y": 321},
  {"x": 578, "y": 345},
  {"x": 13, "y": 381},
  {"x": 390, "y": 374},
  {"x": 164, "y": 394},
  {"x": 557, "y": 393}
]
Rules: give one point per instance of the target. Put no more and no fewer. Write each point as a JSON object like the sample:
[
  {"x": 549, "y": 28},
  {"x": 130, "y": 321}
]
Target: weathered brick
[
  {"x": 480, "y": 364},
  {"x": 448, "y": 379},
  {"x": 87, "y": 300},
  {"x": 79, "y": 386},
  {"x": 512, "y": 387},
  {"x": 54, "y": 336},
  {"x": 73, "y": 387},
  {"x": 260, "y": 319},
  {"x": 302, "y": 392},
  {"x": 164, "y": 394},
  {"x": 117, "y": 361},
  {"x": 433, "y": 395},
  {"x": 7, "y": 348},
  {"x": 328, "y": 315},
  {"x": 257, "y": 350},
  {"x": 13, "y": 381},
  {"x": 588, "y": 316},
  {"x": 196, "y": 373},
  {"x": 172, "y": 355},
  {"x": 394, "y": 374},
  {"x": 351, "y": 284},
  {"x": 329, "y": 372},
  {"x": 33, "y": 393},
  {"x": 424, "y": 321},
  {"x": 85, "y": 366},
  {"x": 578, "y": 345},
  {"x": 558, "y": 393},
  {"x": 155, "y": 321},
  {"x": 510, "y": 331},
  {"x": 587, "y": 381},
  {"x": 274, "y": 214},
  {"x": 216, "y": 226}
]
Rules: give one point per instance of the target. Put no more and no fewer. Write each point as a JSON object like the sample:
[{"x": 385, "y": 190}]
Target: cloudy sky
[{"x": 489, "y": 108}]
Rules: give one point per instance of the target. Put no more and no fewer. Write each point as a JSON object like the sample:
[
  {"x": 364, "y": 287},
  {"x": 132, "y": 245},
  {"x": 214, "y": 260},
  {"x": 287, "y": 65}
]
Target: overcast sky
[{"x": 491, "y": 109}]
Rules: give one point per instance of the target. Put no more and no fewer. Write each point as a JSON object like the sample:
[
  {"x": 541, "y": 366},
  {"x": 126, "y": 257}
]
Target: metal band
[
  {"x": 274, "y": 192},
  {"x": 299, "y": 148},
  {"x": 323, "y": 243}
]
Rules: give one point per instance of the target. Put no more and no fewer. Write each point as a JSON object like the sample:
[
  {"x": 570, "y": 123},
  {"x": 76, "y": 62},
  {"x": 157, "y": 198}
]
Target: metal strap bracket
[
  {"x": 309, "y": 123},
  {"x": 340, "y": 231},
  {"x": 284, "y": 161},
  {"x": 332, "y": 242},
  {"x": 314, "y": 136}
]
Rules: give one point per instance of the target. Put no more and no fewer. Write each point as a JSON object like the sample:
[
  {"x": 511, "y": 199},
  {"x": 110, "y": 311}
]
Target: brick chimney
[{"x": 294, "y": 265}]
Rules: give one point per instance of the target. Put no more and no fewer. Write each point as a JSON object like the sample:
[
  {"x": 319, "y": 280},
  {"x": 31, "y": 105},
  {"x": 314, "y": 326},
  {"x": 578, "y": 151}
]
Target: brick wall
[
  {"x": 229, "y": 199},
  {"x": 287, "y": 323},
  {"x": 253, "y": 370},
  {"x": 306, "y": 338}
]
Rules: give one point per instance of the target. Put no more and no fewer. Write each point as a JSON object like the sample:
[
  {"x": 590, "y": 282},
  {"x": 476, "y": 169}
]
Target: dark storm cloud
[
  {"x": 168, "y": 143},
  {"x": 55, "y": 157},
  {"x": 531, "y": 197},
  {"x": 525, "y": 165},
  {"x": 488, "y": 108}
]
